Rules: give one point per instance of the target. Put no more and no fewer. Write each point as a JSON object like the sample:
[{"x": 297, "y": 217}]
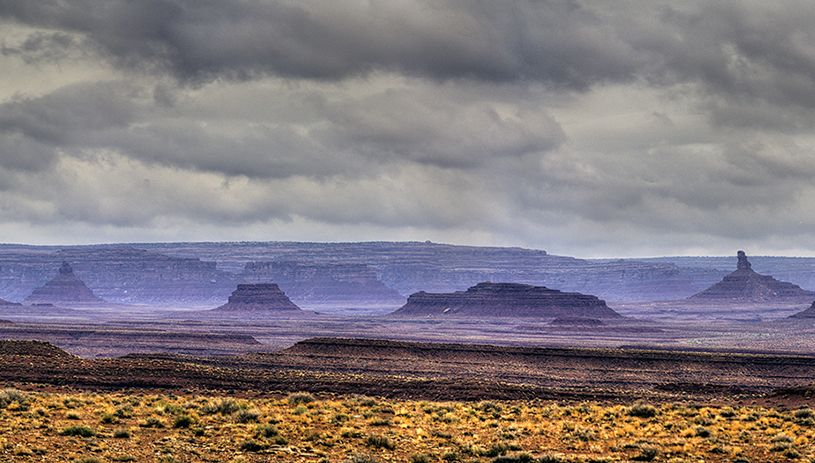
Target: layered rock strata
[
  {"x": 257, "y": 299},
  {"x": 745, "y": 285},
  {"x": 65, "y": 290},
  {"x": 506, "y": 300},
  {"x": 318, "y": 284}
]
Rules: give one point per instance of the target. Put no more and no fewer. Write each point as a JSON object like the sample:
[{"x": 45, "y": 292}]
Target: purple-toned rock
[
  {"x": 65, "y": 290},
  {"x": 505, "y": 300},
  {"x": 256, "y": 300},
  {"x": 745, "y": 285},
  {"x": 808, "y": 313}
]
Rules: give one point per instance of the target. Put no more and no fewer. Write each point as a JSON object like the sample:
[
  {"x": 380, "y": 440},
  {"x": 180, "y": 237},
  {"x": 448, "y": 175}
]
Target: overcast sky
[{"x": 586, "y": 128}]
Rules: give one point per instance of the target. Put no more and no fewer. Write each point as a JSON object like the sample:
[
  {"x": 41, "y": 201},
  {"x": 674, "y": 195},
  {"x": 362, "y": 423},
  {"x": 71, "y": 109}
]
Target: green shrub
[
  {"x": 7, "y": 396},
  {"x": 361, "y": 458},
  {"x": 121, "y": 434},
  {"x": 419, "y": 458},
  {"x": 152, "y": 422}
]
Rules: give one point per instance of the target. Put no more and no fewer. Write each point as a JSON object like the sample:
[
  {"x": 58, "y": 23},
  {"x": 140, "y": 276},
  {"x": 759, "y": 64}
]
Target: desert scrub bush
[
  {"x": 152, "y": 422},
  {"x": 299, "y": 410},
  {"x": 361, "y": 458},
  {"x": 78, "y": 430},
  {"x": 72, "y": 415},
  {"x": 647, "y": 453},
  {"x": 224, "y": 406},
  {"x": 121, "y": 434},
  {"x": 88, "y": 460},
  {"x": 183, "y": 421},
  {"x": 642, "y": 410},
  {"x": 518, "y": 458},
  {"x": 251, "y": 445},
  {"x": 299, "y": 398},
  {"x": 248, "y": 415},
  {"x": 9, "y": 396},
  {"x": 379, "y": 441},
  {"x": 419, "y": 458},
  {"x": 266, "y": 431}
]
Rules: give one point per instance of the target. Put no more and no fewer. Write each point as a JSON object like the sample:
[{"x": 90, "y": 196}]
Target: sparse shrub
[
  {"x": 125, "y": 457},
  {"x": 78, "y": 430},
  {"x": 450, "y": 456},
  {"x": 251, "y": 445},
  {"x": 152, "y": 422},
  {"x": 499, "y": 448},
  {"x": 248, "y": 415},
  {"x": 8, "y": 396},
  {"x": 299, "y": 410},
  {"x": 361, "y": 458},
  {"x": 88, "y": 460},
  {"x": 108, "y": 418},
  {"x": 647, "y": 453},
  {"x": 183, "y": 421},
  {"x": 519, "y": 458},
  {"x": 379, "y": 441},
  {"x": 642, "y": 410},
  {"x": 300, "y": 398},
  {"x": 224, "y": 406},
  {"x": 121, "y": 434},
  {"x": 266, "y": 431},
  {"x": 419, "y": 458},
  {"x": 549, "y": 459},
  {"x": 701, "y": 431}
]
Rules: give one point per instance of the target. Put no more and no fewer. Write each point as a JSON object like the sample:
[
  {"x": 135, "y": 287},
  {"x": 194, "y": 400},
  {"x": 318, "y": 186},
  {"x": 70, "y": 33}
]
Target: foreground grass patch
[{"x": 331, "y": 429}]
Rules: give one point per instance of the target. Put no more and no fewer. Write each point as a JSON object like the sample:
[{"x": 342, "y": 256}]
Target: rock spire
[
  {"x": 745, "y": 285},
  {"x": 65, "y": 290}
]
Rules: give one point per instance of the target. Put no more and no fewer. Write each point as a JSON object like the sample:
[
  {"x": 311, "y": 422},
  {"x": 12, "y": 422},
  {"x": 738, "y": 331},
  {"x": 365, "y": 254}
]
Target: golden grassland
[{"x": 175, "y": 427}]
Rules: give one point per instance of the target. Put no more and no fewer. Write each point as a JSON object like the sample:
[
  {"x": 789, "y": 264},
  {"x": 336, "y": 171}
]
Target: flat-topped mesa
[
  {"x": 505, "y": 300},
  {"x": 745, "y": 285},
  {"x": 65, "y": 290},
  {"x": 257, "y": 299}
]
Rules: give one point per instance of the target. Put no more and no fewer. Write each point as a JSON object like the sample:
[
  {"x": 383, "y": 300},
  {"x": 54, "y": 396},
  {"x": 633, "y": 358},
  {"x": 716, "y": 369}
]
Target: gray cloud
[{"x": 591, "y": 125}]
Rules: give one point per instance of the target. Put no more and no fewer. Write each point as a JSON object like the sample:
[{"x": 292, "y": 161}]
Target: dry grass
[{"x": 116, "y": 427}]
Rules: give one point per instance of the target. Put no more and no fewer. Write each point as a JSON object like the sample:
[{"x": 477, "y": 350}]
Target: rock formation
[
  {"x": 65, "y": 290},
  {"x": 745, "y": 285},
  {"x": 257, "y": 300},
  {"x": 508, "y": 300},
  {"x": 808, "y": 313},
  {"x": 323, "y": 284}
]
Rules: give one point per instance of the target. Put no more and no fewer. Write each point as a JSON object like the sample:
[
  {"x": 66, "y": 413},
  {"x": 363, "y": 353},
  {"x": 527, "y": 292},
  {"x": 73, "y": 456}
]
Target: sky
[{"x": 602, "y": 128}]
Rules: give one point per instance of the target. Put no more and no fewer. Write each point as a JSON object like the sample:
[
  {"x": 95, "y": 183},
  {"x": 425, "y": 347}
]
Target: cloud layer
[{"x": 584, "y": 128}]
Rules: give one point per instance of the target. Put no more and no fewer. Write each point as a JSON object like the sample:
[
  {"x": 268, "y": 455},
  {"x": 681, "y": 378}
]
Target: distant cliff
[
  {"x": 317, "y": 284},
  {"x": 505, "y": 300},
  {"x": 122, "y": 274}
]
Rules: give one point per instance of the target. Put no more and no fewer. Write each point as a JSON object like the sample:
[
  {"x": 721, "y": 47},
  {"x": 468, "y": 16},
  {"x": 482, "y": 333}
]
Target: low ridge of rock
[
  {"x": 576, "y": 321},
  {"x": 507, "y": 300},
  {"x": 745, "y": 285},
  {"x": 257, "y": 299},
  {"x": 65, "y": 290}
]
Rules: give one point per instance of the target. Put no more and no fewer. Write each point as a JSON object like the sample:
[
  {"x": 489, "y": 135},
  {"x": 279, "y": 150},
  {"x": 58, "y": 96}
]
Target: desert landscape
[{"x": 121, "y": 354}]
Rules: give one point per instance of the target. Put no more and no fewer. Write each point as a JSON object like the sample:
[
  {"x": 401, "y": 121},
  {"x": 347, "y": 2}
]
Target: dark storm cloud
[{"x": 557, "y": 42}]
